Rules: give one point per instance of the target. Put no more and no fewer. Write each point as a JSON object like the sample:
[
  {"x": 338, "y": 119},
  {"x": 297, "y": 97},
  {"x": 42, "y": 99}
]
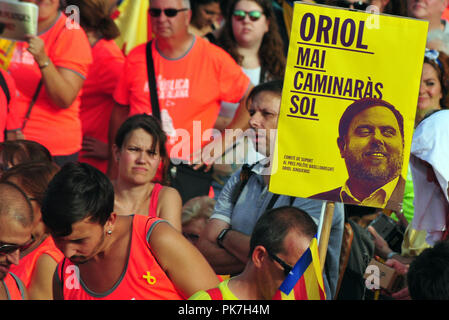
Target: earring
[{"x": 109, "y": 232}]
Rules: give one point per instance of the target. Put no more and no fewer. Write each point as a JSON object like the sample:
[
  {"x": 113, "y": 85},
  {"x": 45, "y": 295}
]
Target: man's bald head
[{"x": 14, "y": 203}]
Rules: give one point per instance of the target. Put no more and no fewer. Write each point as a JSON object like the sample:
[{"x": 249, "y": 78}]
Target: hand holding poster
[
  {"x": 17, "y": 19},
  {"x": 348, "y": 106}
]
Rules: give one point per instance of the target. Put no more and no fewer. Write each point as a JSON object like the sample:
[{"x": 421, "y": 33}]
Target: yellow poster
[{"x": 348, "y": 106}]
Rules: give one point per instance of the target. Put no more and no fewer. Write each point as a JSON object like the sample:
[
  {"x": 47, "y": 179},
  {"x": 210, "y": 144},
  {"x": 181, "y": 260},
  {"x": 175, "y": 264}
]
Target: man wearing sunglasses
[
  {"x": 279, "y": 239},
  {"x": 193, "y": 76},
  {"x": 16, "y": 217}
]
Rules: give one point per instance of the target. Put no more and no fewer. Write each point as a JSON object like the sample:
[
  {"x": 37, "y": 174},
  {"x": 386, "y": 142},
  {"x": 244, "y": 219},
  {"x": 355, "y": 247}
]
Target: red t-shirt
[
  {"x": 190, "y": 89},
  {"x": 96, "y": 99},
  {"x": 8, "y": 116},
  {"x": 57, "y": 129}
]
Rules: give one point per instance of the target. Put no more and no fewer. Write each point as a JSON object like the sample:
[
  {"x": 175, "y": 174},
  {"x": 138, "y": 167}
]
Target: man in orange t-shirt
[{"x": 193, "y": 76}]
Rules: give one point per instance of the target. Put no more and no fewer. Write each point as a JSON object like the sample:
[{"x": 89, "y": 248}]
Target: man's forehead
[
  {"x": 375, "y": 115},
  {"x": 82, "y": 229},
  {"x": 166, "y": 3}
]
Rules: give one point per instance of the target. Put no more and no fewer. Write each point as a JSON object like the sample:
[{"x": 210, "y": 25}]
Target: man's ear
[
  {"x": 259, "y": 255},
  {"x": 342, "y": 146},
  {"x": 111, "y": 221}
]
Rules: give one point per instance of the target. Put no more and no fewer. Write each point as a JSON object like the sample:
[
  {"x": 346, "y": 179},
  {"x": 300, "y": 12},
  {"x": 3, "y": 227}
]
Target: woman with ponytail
[{"x": 96, "y": 99}]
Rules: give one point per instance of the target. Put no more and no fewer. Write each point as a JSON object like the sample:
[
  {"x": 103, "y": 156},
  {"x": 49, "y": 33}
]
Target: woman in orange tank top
[{"x": 140, "y": 151}]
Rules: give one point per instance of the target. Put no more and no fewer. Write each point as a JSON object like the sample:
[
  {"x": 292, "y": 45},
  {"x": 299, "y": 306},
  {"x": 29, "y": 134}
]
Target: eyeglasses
[
  {"x": 240, "y": 15},
  {"x": 359, "y": 5},
  {"x": 7, "y": 248},
  {"x": 287, "y": 268},
  {"x": 170, "y": 12}
]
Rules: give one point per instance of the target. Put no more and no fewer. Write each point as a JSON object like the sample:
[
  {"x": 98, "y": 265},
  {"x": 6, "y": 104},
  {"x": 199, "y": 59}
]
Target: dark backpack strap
[
  {"x": 152, "y": 83},
  {"x": 215, "y": 294},
  {"x": 245, "y": 174},
  {"x": 32, "y": 102},
  {"x": 5, "y": 89},
  {"x": 273, "y": 200}
]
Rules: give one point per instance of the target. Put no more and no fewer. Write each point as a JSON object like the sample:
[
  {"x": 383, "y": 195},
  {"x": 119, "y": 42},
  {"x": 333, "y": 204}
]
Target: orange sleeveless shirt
[
  {"x": 24, "y": 270},
  {"x": 142, "y": 279},
  {"x": 15, "y": 289}
]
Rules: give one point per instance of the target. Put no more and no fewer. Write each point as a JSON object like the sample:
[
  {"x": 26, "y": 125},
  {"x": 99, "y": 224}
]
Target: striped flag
[
  {"x": 287, "y": 7},
  {"x": 305, "y": 281},
  {"x": 132, "y": 20}
]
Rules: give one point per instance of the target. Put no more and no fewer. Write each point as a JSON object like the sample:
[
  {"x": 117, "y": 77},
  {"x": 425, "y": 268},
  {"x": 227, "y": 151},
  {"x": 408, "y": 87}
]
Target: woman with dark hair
[
  {"x": 205, "y": 16},
  {"x": 38, "y": 262},
  {"x": 433, "y": 92},
  {"x": 250, "y": 35},
  {"x": 139, "y": 151},
  {"x": 96, "y": 99}
]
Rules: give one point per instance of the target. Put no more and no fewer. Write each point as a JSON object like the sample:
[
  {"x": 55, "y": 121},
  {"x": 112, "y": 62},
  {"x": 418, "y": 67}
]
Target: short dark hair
[
  {"x": 78, "y": 191},
  {"x": 273, "y": 86},
  {"x": 428, "y": 275},
  {"x": 273, "y": 226},
  {"x": 154, "y": 128},
  {"x": 362, "y": 104}
]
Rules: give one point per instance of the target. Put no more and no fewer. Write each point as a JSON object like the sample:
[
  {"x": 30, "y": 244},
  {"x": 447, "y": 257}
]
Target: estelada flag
[
  {"x": 305, "y": 281},
  {"x": 131, "y": 18}
]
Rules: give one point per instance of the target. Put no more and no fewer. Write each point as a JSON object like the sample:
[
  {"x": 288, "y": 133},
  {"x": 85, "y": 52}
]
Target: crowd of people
[{"x": 103, "y": 154}]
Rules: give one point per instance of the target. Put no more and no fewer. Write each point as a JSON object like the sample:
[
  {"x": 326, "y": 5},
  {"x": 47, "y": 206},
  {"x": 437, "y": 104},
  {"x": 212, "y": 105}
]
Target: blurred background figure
[
  {"x": 394, "y": 7},
  {"x": 430, "y": 10},
  {"x": 206, "y": 17},
  {"x": 15, "y": 152},
  {"x": 38, "y": 262},
  {"x": 251, "y": 36},
  {"x": 433, "y": 92},
  {"x": 49, "y": 70},
  {"x": 428, "y": 275},
  {"x": 195, "y": 214},
  {"x": 96, "y": 98},
  {"x": 139, "y": 151}
]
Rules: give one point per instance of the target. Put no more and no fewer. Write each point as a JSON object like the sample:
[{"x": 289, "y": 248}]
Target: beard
[
  {"x": 380, "y": 173},
  {"x": 83, "y": 259}
]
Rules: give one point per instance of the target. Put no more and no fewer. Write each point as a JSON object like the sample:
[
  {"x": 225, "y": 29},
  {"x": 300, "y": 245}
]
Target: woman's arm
[
  {"x": 41, "y": 285},
  {"x": 62, "y": 85},
  {"x": 182, "y": 262},
  {"x": 169, "y": 207}
]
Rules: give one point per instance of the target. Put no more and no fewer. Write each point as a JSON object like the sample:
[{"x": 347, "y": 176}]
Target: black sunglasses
[
  {"x": 359, "y": 5},
  {"x": 7, "y": 248},
  {"x": 287, "y": 268},
  {"x": 170, "y": 12},
  {"x": 240, "y": 15}
]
